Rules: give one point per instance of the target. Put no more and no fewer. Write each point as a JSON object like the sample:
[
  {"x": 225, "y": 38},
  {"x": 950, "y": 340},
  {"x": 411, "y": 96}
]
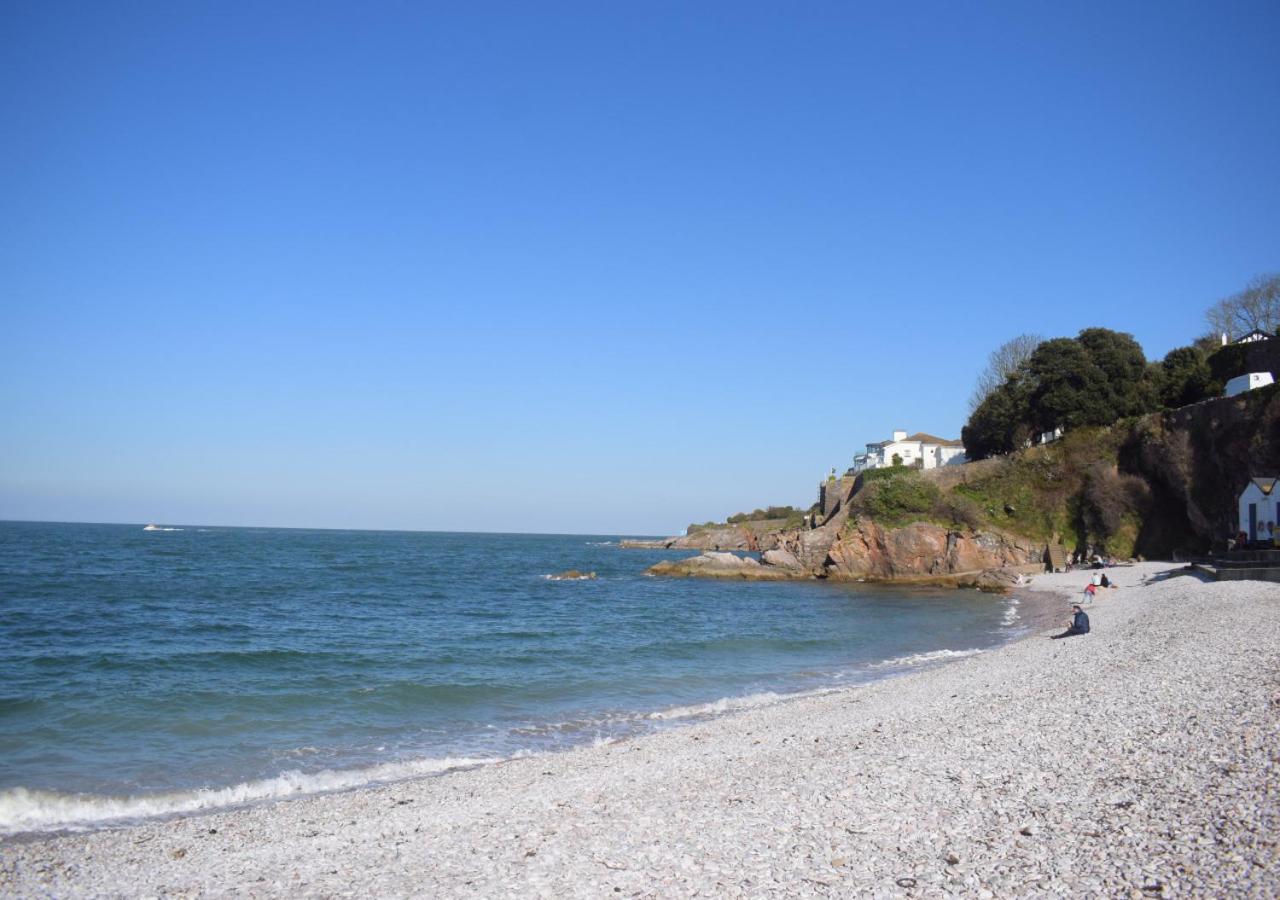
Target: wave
[
  {"x": 916, "y": 659},
  {"x": 600, "y": 543},
  {"x": 24, "y": 809},
  {"x": 732, "y": 704},
  {"x": 1010, "y": 614}
]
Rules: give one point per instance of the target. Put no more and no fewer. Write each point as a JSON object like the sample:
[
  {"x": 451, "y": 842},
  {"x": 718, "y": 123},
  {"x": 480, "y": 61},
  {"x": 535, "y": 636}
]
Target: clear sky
[{"x": 600, "y": 267}]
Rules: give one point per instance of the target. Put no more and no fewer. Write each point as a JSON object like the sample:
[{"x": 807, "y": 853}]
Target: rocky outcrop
[
  {"x": 720, "y": 565},
  {"x": 867, "y": 550},
  {"x": 863, "y": 550},
  {"x": 781, "y": 558},
  {"x": 730, "y": 537}
]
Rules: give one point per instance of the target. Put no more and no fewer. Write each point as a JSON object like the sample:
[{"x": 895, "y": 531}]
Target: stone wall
[{"x": 831, "y": 494}]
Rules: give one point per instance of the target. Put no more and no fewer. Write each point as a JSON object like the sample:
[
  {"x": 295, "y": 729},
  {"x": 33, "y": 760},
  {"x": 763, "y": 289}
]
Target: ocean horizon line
[{"x": 618, "y": 534}]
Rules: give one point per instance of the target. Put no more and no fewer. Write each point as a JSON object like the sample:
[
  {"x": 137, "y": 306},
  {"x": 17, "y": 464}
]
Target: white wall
[
  {"x": 1266, "y": 510},
  {"x": 1242, "y": 383}
]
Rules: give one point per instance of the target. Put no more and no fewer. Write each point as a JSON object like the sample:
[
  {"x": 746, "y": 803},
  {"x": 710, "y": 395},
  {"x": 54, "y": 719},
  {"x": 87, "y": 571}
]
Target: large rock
[
  {"x": 781, "y": 558},
  {"x": 718, "y": 565},
  {"x": 730, "y": 537}
]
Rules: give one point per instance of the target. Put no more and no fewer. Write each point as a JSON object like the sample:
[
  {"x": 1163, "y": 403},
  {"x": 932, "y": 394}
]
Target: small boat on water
[{"x": 153, "y": 528}]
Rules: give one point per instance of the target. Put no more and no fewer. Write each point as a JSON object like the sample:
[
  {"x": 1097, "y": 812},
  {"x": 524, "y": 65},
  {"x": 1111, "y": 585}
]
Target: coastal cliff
[{"x": 1155, "y": 486}]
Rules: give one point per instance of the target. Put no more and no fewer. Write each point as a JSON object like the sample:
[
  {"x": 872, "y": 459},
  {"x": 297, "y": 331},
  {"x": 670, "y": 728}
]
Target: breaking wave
[
  {"x": 24, "y": 809},
  {"x": 1010, "y": 614},
  {"x": 732, "y": 704},
  {"x": 916, "y": 659}
]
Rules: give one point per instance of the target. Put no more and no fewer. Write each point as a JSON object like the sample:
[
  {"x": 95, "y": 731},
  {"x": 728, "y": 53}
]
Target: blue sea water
[{"x": 151, "y": 672}]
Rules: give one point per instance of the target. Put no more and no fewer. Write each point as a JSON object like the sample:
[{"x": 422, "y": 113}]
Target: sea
[{"x": 169, "y": 670}]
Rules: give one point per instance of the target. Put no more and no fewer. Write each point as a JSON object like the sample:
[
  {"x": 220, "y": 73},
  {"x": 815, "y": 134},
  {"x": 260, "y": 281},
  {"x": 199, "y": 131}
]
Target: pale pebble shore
[{"x": 1140, "y": 760}]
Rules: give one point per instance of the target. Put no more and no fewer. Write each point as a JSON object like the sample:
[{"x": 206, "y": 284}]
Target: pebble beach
[{"x": 1142, "y": 759}]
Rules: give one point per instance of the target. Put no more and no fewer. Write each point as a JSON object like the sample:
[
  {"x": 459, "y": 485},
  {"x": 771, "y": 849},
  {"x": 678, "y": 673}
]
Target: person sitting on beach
[
  {"x": 1079, "y": 624},
  {"x": 1105, "y": 582}
]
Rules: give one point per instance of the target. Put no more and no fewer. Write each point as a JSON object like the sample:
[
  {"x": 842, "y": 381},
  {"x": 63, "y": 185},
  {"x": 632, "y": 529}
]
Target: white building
[
  {"x": 1258, "y": 506},
  {"x": 921, "y": 450},
  {"x": 1253, "y": 337},
  {"x": 1252, "y": 381}
]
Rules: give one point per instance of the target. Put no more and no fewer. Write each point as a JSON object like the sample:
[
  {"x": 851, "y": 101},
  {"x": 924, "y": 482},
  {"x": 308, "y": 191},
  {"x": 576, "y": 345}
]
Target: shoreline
[
  {"x": 1140, "y": 754},
  {"x": 1022, "y": 614}
]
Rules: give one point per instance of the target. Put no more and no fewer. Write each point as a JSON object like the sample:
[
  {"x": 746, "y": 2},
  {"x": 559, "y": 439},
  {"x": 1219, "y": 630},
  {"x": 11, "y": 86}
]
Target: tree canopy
[{"x": 1095, "y": 378}]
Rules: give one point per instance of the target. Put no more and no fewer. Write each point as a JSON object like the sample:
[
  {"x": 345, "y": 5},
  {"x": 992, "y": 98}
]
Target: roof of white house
[
  {"x": 921, "y": 437},
  {"x": 1252, "y": 336},
  {"x": 1266, "y": 485},
  {"x": 933, "y": 439}
]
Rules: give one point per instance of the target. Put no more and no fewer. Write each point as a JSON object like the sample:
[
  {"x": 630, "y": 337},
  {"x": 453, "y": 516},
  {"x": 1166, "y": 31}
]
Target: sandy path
[{"x": 1141, "y": 759}]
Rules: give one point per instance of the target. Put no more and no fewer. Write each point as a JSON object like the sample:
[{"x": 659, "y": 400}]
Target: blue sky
[{"x": 583, "y": 267}]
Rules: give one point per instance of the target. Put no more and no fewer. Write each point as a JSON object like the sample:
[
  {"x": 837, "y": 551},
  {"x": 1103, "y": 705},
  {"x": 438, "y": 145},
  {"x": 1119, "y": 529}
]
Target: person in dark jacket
[{"x": 1079, "y": 624}]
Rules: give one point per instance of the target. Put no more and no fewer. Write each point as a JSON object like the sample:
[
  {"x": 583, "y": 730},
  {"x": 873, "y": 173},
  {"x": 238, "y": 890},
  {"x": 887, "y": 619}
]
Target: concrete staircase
[{"x": 1055, "y": 557}]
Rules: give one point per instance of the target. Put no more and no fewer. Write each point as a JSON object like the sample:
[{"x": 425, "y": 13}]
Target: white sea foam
[
  {"x": 1011, "y": 613},
  {"x": 23, "y": 809},
  {"x": 160, "y": 528},
  {"x": 916, "y": 659},
  {"x": 731, "y": 704},
  {"x": 600, "y": 543}
]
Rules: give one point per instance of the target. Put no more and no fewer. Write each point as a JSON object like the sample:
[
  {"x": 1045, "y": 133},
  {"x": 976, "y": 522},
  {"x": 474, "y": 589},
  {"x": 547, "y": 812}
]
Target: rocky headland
[{"x": 1161, "y": 485}]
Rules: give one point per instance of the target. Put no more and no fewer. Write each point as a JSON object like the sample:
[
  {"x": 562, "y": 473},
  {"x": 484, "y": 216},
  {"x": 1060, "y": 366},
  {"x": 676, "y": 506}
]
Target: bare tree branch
[
  {"x": 1256, "y": 308},
  {"x": 1006, "y": 359}
]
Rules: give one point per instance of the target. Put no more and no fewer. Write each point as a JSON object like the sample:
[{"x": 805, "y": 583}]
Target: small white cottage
[{"x": 1258, "y": 507}]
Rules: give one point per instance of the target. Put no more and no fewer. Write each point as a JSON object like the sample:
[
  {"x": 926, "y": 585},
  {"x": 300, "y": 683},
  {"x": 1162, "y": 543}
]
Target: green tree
[
  {"x": 1185, "y": 377},
  {"x": 1000, "y": 423},
  {"x": 1128, "y": 388},
  {"x": 1070, "y": 390}
]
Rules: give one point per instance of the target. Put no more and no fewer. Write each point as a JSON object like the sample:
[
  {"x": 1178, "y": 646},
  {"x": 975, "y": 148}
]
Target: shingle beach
[{"x": 1140, "y": 760}]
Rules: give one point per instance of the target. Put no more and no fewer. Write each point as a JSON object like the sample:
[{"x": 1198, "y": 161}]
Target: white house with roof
[
  {"x": 924, "y": 451},
  {"x": 1258, "y": 506}
]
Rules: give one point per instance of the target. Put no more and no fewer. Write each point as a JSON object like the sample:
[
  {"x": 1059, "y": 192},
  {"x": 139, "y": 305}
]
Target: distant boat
[{"x": 153, "y": 528}]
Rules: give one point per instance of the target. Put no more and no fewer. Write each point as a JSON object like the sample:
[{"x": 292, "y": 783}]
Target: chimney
[{"x": 899, "y": 435}]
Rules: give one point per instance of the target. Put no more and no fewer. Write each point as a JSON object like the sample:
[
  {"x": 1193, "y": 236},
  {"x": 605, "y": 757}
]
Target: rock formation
[
  {"x": 729, "y": 537},
  {"x": 714, "y": 564}
]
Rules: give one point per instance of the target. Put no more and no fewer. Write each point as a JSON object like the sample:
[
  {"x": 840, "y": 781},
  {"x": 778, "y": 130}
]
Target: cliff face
[
  {"x": 1196, "y": 461},
  {"x": 866, "y": 549}
]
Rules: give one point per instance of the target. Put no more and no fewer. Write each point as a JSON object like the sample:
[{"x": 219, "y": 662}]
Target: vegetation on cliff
[
  {"x": 772, "y": 518},
  {"x": 1101, "y": 376},
  {"x": 1149, "y": 485}
]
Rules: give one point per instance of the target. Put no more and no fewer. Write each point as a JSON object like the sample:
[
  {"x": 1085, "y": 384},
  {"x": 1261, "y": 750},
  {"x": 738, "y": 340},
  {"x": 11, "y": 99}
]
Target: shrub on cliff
[
  {"x": 896, "y": 499},
  {"x": 767, "y": 514}
]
